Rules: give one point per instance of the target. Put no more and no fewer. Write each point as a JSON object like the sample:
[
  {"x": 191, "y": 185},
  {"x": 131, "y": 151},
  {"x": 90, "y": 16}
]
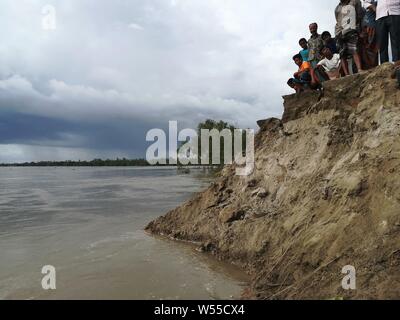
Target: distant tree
[{"x": 210, "y": 125}]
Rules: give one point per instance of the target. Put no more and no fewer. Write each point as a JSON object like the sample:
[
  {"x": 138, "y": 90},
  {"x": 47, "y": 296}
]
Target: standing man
[
  {"x": 388, "y": 17},
  {"x": 369, "y": 45},
  {"x": 315, "y": 45},
  {"x": 348, "y": 17}
]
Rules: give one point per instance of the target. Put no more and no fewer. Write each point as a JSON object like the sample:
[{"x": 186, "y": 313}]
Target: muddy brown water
[{"x": 88, "y": 223}]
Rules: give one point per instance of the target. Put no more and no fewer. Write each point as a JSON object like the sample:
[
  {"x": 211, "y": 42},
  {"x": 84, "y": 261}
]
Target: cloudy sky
[{"x": 113, "y": 69}]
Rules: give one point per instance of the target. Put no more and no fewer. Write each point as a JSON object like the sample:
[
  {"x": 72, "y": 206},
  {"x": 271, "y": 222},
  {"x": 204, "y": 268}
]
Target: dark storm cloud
[
  {"x": 111, "y": 70},
  {"x": 21, "y": 128},
  {"x": 42, "y": 131}
]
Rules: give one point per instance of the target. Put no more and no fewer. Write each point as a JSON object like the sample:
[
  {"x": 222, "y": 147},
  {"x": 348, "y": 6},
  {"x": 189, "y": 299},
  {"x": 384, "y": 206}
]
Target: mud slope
[{"x": 325, "y": 194}]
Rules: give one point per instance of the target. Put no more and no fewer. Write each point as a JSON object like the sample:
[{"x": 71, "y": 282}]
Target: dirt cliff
[{"x": 325, "y": 194}]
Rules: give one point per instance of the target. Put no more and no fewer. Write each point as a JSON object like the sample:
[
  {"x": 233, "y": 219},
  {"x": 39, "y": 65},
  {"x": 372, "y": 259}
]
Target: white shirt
[
  {"x": 349, "y": 20},
  {"x": 387, "y": 8},
  {"x": 331, "y": 65}
]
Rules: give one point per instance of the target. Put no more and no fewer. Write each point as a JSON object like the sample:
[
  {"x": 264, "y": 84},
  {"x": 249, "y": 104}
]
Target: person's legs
[
  {"x": 323, "y": 74},
  {"x": 291, "y": 83},
  {"x": 298, "y": 85},
  {"x": 398, "y": 77},
  {"x": 305, "y": 77},
  {"x": 369, "y": 49},
  {"x": 353, "y": 49},
  {"x": 318, "y": 77},
  {"x": 345, "y": 66},
  {"x": 383, "y": 39},
  {"x": 314, "y": 78},
  {"x": 357, "y": 61},
  {"x": 394, "y": 29},
  {"x": 373, "y": 49}
]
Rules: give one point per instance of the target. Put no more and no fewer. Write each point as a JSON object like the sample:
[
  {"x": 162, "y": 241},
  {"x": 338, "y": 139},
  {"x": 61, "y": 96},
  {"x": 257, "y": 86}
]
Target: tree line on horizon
[
  {"x": 208, "y": 124},
  {"x": 93, "y": 163}
]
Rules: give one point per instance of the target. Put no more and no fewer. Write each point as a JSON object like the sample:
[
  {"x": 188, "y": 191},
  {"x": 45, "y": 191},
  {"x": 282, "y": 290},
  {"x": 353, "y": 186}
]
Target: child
[
  {"x": 303, "y": 74},
  {"x": 331, "y": 64},
  {"x": 329, "y": 42},
  {"x": 302, "y": 78},
  {"x": 348, "y": 17},
  {"x": 305, "y": 52}
]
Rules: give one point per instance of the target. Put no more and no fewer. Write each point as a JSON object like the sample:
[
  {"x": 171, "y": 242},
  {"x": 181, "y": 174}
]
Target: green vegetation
[
  {"x": 206, "y": 125},
  {"x": 219, "y": 126},
  {"x": 212, "y": 124}
]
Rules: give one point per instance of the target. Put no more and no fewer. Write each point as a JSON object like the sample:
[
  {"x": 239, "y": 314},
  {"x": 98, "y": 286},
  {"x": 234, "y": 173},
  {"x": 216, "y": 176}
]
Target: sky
[{"x": 84, "y": 79}]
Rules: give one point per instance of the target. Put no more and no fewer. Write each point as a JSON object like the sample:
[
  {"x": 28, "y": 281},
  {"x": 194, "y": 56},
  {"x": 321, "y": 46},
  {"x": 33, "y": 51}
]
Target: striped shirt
[{"x": 387, "y": 8}]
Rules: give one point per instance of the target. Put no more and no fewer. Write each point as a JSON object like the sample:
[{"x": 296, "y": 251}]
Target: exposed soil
[{"x": 325, "y": 194}]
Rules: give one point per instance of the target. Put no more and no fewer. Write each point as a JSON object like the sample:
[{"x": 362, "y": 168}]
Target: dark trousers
[
  {"x": 398, "y": 76},
  {"x": 386, "y": 26}
]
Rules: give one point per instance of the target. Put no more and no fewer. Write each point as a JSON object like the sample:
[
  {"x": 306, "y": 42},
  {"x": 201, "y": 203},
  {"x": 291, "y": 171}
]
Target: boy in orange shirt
[{"x": 302, "y": 78}]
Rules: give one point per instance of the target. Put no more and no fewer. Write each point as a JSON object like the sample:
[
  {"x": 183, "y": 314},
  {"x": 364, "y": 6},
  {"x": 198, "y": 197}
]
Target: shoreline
[
  {"x": 237, "y": 272},
  {"x": 319, "y": 199}
]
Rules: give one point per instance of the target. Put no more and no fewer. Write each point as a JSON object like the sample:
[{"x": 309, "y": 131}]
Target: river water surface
[{"x": 88, "y": 223}]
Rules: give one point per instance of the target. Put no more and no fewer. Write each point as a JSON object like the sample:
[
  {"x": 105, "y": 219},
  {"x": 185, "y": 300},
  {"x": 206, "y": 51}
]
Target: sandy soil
[{"x": 325, "y": 194}]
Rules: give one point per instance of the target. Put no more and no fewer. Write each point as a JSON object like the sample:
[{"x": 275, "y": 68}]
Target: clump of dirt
[{"x": 325, "y": 193}]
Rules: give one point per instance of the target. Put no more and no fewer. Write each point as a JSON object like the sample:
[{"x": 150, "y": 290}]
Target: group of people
[{"x": 362, "y": 32}]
